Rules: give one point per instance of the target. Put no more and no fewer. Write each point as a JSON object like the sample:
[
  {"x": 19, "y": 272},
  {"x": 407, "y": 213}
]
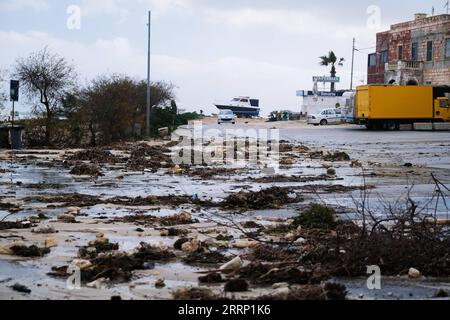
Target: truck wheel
[
  {"x": 378, "y": 125},
  {"x": 374, "y": 125},
  {"x": 392, "y": 126},
  {"x": 323, "y": 122},
  {"x": 370, "y": 125}
]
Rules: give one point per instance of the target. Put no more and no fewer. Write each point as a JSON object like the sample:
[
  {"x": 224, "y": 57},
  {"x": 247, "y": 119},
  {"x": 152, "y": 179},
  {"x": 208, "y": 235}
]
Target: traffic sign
[
  {"x": 326, "y": 79},
  {"x": 14, "y": 90}
]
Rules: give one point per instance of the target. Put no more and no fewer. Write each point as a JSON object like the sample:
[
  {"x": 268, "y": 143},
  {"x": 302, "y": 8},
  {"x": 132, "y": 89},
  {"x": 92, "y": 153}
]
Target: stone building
[{"x": 413, "y": 53}]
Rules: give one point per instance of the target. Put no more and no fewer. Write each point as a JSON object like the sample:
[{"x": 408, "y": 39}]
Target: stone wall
[
  {"x": 375, "y": 74},
  {"x": 437, "y": 75},
  {"x": 397, "y": 39}
]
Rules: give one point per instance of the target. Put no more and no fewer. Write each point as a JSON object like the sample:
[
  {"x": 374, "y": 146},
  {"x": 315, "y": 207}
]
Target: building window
[
  {"x": 415, "y": 51},
  {"x": 430, "y": 51},
  {"x": 447, "y": 51},
  {"x": 372, "y": 60},
  {"x": 384, "y": 57},
  {"x": 400, "y": 53}
]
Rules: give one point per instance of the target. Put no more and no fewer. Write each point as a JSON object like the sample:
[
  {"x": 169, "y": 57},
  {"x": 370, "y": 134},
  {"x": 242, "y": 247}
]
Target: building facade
[
  {"x": 413, "y": 53},
  {"x": 316, "y": 103}
]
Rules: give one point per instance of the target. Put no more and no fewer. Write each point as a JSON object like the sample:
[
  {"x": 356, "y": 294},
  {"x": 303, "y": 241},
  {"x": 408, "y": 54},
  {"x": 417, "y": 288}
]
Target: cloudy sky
[{"x": 211, "y": 50}]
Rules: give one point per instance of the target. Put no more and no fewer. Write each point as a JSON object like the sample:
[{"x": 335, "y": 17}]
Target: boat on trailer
[{"x": 242, "y": 107}]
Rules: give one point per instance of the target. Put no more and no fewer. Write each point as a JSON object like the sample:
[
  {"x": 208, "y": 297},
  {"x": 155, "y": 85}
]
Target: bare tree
[
  {"x": 111, "y": 103},
  {"x": 114, "y": 104},
  {"x": 47, "y": 77}
]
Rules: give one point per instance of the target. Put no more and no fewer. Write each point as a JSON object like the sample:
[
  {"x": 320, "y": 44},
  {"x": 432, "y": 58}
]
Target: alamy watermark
[
  {"x": 374, "y": 280},
  {"x": 232, "y": 147},
  {"x": 74, "y": 280},
  {"x": 374, "y": 19},
  {"x": 74, "y": 17}
]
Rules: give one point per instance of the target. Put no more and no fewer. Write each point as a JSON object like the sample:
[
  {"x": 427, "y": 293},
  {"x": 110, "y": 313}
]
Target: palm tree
[{"x": 331, "y": 59}]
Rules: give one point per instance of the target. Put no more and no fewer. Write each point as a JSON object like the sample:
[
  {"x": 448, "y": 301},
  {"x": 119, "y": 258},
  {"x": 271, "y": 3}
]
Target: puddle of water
[
  {"x": 388, "y": 189},
  {"x": 129, "y": 243},
  {"x": 395, "y": 289}
]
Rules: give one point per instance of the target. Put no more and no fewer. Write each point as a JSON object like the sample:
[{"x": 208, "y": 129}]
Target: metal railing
[{"x": 404, "y": 65}]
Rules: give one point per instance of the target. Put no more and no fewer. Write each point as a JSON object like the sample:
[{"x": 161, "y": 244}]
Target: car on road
[
  {"x": 226, "y": 116},
  {"x": 326, "y": 117}
]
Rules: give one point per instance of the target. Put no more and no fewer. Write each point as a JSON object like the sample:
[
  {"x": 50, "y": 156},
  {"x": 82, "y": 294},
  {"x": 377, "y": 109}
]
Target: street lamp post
[{"x": 149, "y": 107}]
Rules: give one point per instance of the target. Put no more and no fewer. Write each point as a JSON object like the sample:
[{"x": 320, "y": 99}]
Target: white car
[
  {"x": 226, "y": 116},
  {"x": 326, "y": 117}
]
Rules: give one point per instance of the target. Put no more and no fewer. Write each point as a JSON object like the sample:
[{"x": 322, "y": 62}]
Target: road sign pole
[{"x": 13, "y": 114}]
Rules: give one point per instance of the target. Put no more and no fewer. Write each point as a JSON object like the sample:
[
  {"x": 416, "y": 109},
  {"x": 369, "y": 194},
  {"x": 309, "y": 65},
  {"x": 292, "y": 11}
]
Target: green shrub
[{"x": 316, "y": 217}]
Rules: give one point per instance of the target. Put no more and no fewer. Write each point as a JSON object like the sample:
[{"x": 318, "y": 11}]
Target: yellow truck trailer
[{"x": 387, "y": 107}]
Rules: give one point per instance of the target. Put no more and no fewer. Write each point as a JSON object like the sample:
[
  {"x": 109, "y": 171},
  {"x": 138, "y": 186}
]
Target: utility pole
[
  {"x": 149, "y": 106},
  {"x": 447, "y": 5},
  {"x": 353, "y": 63}
]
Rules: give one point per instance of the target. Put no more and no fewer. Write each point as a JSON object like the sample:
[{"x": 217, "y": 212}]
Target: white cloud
[
  {"x": 120, "y": 8},
  {"x": 105, "y": 7},
  {"x": 101, "y": 56},
  {"x": 200, "y": 83},
  {"x": 14, "y": 5},
  {"x": 162, "y": 6},
  {"x": 291, "y": 21}
]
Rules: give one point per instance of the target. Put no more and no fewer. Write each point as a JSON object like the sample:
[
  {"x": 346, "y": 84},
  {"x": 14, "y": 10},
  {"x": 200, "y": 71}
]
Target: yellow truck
[{"x": 386, "y": 107}]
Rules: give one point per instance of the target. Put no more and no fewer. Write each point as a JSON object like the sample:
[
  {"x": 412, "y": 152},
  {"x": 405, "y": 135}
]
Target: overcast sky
[{"x": 211, "y": 50}]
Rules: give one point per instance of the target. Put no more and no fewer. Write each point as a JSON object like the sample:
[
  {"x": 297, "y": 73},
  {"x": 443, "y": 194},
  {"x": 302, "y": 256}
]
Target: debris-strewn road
[{"x": 138, "y": 226}]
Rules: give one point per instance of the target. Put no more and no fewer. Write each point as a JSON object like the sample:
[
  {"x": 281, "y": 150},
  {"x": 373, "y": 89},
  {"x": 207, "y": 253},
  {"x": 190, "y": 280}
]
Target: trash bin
[
  {"x": 4, "y": 138},
  {"x": 15, "y": 137}
]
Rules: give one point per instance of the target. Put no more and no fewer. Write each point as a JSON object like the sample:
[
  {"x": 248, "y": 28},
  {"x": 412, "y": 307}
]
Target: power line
[
  {"x": 363, "y": 49},
  {"x": 360, "y": 52}
]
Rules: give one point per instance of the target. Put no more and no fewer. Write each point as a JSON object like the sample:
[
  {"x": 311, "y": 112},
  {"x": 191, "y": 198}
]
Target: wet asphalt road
[
  {"x": 429, "y": 149},
  {"x": 337, "y": 135}
]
